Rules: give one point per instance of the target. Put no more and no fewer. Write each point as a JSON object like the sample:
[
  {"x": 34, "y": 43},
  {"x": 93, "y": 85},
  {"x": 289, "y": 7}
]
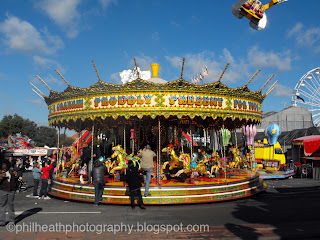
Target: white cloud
[
  {"x": 45, "y": 64},
  {"x": 115, "y": 77},
  {"x": 106, "y": 3},
  {"x": 50, "y": 79},
  {"x": 21, "y": 36},
  {"x": 174, "y": 23},
  {"x": 281, "y": 61},
  {"x": 195, "y": 63},
  {"x": 195, "y": 19},
  {"x": 174, "y": 61},
  {"x": 155, "y": 36},
  {"x": 306, "y": 37},
  {"x": 38, "y": 102},
  {"x": 143, "y": 62},
  {"x": 283, "y": 91},
  {"x": 3, "y": 76},
  {"x": 64, "y": 13}
]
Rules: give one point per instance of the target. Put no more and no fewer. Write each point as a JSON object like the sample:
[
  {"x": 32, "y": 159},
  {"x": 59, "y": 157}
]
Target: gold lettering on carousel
[
  {"x": 140, "y": 100},
  {"x": 122, "y": 100},
  {"x": 69, "y": 105},
  {"x": 112, "y": 101},
  {"x": 104, "y": 101},
  {"x": 148, "y": 99},
  {"x": 182, "y": 100},
  {"x": 131, "y": 100}
]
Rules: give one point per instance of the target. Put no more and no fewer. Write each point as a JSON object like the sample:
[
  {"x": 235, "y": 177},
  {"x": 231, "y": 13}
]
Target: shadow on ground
[{"x": 293, "y": 212}]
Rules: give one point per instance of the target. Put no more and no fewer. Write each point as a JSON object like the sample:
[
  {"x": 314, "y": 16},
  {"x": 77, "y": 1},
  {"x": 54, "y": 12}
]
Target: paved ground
[{"x": 288, "y": 209}]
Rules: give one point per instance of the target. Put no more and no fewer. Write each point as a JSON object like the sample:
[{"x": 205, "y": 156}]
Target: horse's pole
[
  {"x": 91, "y": 164},
  {"x": 124, "y": 138},
  {"x": 159, "y": 152},
  {"x": 191, "y": 140}
]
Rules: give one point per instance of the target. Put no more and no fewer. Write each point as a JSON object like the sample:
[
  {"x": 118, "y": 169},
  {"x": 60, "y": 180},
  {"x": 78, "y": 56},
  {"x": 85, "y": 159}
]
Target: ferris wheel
[{"x": 307, "y": 93}]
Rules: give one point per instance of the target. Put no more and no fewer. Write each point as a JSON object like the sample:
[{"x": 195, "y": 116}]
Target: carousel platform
[
  {"x": 276, "y": 174},
  {"x": 236, "y": 185}
]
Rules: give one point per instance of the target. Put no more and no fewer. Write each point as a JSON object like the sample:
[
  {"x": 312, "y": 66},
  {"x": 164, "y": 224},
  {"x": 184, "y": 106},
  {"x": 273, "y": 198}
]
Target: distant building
[{"x": 290, "y": 118}]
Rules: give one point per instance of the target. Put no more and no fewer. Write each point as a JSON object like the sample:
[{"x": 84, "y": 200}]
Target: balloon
[
  {"x": 272, "y": 133},
  {"x": 225, "y": 135},
  {"x": 250, "y": 131}
]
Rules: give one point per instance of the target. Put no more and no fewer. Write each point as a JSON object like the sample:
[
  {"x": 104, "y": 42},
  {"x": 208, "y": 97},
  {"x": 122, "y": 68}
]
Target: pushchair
[{"x": 21, "y": 186}]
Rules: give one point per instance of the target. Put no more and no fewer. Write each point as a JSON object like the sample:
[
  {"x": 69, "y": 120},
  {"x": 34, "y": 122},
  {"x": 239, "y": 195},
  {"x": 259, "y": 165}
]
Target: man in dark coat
[
  {"x": 133, "y": 180},
  {"x": 98, "y": 172},
  {"x": 8, "y": 183}
]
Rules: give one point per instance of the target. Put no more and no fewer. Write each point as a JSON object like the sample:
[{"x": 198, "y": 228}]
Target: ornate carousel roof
[{"x": 142, "y": 98}]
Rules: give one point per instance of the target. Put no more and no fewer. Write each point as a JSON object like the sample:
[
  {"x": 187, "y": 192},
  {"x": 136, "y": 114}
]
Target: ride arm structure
[{"x": 272, "y": 3}]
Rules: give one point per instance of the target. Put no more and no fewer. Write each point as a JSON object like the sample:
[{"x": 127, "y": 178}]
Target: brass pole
[
  {"x": 92, "y": 150},
  {"x": 159, "y": 152}
]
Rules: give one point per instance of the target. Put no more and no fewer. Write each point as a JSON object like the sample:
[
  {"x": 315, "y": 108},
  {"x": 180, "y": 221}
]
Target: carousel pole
[
  {"x": 134, "y": 134},
  {"x": 138, "y": 133},
  {"x": 91, "y": 164},
  {"x": 57, "y": 159},
  {"x": 191, "y": 140},
  {"x": 159, "y": 152},
  {"x": 225, "y": 158},
  {"x": 124, "y": 138}
]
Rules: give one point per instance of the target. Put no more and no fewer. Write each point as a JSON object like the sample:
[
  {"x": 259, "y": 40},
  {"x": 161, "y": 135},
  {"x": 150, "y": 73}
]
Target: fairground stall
[{"x": 188, "y": 126}]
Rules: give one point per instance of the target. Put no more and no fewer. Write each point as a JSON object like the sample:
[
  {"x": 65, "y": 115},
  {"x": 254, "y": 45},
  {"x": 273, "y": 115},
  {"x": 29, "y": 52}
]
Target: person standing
[
  {"x": 8, "y": 179},
  {"x": 36, "y": 173},
  {"x": 18, "y": 168},
  {"x": 133, "y": 180},
  {"x": 44, "y": 180},
  {"x": 147, "y": 165},
  {"x": 98, "y": 172}
]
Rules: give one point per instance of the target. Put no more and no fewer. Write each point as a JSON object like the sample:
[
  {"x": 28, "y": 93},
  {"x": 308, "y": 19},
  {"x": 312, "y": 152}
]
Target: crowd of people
[{"x": 12, "y": 180}]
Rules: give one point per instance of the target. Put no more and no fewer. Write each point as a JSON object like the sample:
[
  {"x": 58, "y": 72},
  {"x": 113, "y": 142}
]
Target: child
[
  {"x": 36, "y": 172},
  {"x": 133, "y": 180}
]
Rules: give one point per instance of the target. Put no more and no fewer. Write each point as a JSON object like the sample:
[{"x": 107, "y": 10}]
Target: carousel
[{"x": 187, "y": 125}]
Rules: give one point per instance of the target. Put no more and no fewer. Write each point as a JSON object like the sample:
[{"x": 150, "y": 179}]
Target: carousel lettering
[
  {"x": 253, "y": 106},
  {"x": 69, "y": 105},
  {"x": 198, "y": 101},
  {"x": 240, "y": 104},
  {"x": 122, "y": 100}
]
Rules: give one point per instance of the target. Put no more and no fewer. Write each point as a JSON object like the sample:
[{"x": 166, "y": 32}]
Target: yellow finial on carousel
[{"x": 155, "y": 69}]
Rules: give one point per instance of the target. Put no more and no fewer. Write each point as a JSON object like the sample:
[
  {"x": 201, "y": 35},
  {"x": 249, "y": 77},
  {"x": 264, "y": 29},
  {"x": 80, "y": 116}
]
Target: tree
[
  {"x": 16, "y": 124},
  {"x": 46, "y": 136},
  {"x": 40, "y": 135}
]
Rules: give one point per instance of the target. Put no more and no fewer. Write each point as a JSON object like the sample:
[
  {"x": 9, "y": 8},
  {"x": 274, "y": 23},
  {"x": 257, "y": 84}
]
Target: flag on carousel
[{"x": 206, "y": 71}]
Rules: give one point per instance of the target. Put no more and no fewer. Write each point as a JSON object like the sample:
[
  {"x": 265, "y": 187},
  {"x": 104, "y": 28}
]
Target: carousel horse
[
  {"x": 217, "y": 164},
  {"x": 122, "y": 159},
  {"x": 248, "y": 159},
  {"x": 182, "y": 162},
  {"x": 201, "y": 167}
]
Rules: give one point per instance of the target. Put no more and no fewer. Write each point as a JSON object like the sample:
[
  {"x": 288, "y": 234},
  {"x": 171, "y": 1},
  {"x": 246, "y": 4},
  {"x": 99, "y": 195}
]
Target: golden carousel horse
[
  {"x": 122, "y": 159},
  {"x": 201, "y": 166},
  {"x": 236, "y": 159},
  {"x": 182, "y": 162},
  {"x": 217, "y": 164},
  {"x": 248, "y": 159}
]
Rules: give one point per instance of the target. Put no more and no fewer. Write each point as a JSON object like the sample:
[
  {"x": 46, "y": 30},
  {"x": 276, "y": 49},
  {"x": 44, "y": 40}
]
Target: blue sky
[{"x": 38, "y": 36}]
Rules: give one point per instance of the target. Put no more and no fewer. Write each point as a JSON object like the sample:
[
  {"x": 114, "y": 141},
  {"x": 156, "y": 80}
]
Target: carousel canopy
[{"x": 154, "y": 98}]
